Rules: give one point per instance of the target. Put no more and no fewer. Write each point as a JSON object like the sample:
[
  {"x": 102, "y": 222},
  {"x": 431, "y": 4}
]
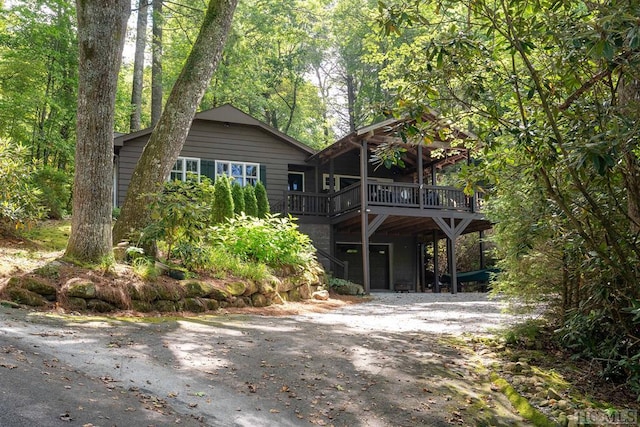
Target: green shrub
[
  {"x": 193, "y": 255},
  {"x": 19, "y": 199},
  {"x": 274, "y": 241},
  {"x": 222, "y": 200},
  {"x": 335, "y": 282},
  {"x": 262, "y": 200},
  {"x": 145, "y": 268},
  {"x": 55, "y": 186},
  {"x": 599, "y": 336},
  {"x": 224, "y": 264},
  {"x": 250, "y": 201},
  {"x": 238, "y": 198},
  {"x": 181, "y": 213}
]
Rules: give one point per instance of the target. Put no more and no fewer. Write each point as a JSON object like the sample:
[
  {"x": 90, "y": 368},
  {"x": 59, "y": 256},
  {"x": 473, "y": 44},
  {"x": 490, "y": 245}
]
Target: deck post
[
  {"x": 332, "y": 182},
  {"x": 454, "y": 268},
  {"x": 318, "y": 176},
  {"x": 436, "y": 266},
  {"x": 483, "y": 260},
  {"x": 452, "y": 231},
  {"x": 421, "y": 263},
  {"x": 420, "y": 177},
  {"x": 364, "y": 215},
  {"x": 285, "y": 203}
]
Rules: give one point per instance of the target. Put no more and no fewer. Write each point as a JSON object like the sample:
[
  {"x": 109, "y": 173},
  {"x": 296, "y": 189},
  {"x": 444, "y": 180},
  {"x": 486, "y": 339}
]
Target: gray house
[
  {"x": 370, "y": 224},
  {"x": 222, "y": 140}
]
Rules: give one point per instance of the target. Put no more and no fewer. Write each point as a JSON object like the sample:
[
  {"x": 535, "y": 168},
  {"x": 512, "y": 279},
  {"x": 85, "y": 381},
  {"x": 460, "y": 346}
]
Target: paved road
[{"x": 389, "y": 362}]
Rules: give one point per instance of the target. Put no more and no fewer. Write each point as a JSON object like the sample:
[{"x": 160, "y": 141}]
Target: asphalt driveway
[{"x": 394, "y": 361}]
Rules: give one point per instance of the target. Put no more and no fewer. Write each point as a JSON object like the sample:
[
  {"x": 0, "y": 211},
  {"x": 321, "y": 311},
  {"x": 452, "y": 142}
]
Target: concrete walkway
[{"x": 389, "y": 362}]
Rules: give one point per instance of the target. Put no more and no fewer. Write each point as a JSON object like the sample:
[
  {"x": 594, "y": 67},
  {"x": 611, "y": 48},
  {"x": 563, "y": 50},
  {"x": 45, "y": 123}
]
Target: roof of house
[
  {"x": 226, "y": 113},
  {"x": 390, "y": 131}
]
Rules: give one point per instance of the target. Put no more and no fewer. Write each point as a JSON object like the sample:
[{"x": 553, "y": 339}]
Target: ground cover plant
[{"x": 195, "y": 226}]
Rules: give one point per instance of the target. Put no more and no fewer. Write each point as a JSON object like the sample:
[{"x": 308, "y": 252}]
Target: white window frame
[
  {"x": 183, "y": 172},
  {"x": 244, "y": 165}
]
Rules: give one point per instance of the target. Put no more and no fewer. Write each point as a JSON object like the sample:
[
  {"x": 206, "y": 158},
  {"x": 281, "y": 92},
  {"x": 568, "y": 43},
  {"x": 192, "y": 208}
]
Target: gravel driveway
[{"x": 393, "y": 361}]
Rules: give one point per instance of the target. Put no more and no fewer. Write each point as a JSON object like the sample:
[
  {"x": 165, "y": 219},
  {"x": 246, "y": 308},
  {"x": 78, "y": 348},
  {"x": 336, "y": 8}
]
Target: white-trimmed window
[
  {"x": 240, "y": 172},
  {"x": 184, "y": 167}
]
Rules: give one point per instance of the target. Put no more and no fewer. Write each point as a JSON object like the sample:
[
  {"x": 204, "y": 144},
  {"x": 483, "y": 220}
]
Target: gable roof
[
  {"x": 226, "y": 113},
  {"x": 389, "y": 132}
]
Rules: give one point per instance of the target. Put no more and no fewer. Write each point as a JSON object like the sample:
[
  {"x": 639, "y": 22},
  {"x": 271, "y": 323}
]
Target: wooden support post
[
  {"x": 420, "y": 178},
  {"x": 285, "y": 198},
  {"x": 421, "y": 264},
  {"x": 332, "y": 182},
  {"x": 364, "y": 218},
  {"x": 483, "y": 261},
  {"x": 450, "y": 266},
  {"x": 454, "y": 267},
  {"x": 377, "y": 222},
  {"x": 452, "y": 231},
  {"x": 436, "y": 266},
  {"x": 318, "y": 174}
]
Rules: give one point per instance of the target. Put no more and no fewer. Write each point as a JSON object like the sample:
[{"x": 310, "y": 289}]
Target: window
[
  {"x": 296, "y": 181},
  {"x": 240, "y": 172},
  {"x": 184, "y": 167}
]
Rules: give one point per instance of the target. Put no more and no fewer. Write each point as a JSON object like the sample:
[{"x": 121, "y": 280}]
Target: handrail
[
  {"x": 343, "y": 264},
  {"x": 382, "y": 194}
]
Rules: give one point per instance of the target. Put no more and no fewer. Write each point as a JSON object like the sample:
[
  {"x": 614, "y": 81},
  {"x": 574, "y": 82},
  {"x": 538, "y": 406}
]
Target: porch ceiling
[
  {"x": 438, "y": 153},
  {"x": 397, "y": 225}
]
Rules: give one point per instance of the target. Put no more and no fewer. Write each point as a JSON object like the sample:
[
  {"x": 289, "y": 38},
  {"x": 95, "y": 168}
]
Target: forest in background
[
  {"x": 551, "y": 89},
  {"x": 300, "y": 67}
]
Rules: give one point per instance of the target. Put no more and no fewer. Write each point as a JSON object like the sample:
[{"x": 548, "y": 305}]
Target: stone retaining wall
[{"x": 191, "y": 295}]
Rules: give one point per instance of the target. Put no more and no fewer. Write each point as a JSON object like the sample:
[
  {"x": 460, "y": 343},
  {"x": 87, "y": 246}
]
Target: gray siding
[
  {"x": 349, "y": 164},
  {"x": 218, "y": 141},
  {"x": 404, "y": 265},
  {"x": 127, "y": 159}
]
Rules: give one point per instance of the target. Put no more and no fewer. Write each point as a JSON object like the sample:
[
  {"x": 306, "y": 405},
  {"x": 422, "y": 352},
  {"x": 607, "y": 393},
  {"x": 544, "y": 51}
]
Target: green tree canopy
[
  {"x": 551, "y": 89},
  {"x": 38, "y": 79}
]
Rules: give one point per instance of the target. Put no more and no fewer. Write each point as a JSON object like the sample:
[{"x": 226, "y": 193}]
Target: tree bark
[
  {"x": 169, "y": 135},
  {"x": 629, "y": 99},
  {"x": 138, "y": 66},
  {"x": 156, "y": 63},
  {"x": 351, "y": 102},
  {"x": 102, "y": 26}
]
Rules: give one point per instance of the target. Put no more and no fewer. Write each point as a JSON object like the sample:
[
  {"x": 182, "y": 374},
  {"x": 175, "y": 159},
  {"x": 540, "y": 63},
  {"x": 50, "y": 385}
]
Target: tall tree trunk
[
  {"x": 292, "y": 106},
  {"x": 156, "y": 63},
  {"x": 629, "y": 100},
  {"x": 102, "y": 26},
  {"x": 351, "y": 102},
  {"x": 168, "y": 137},
  {"x": 138, "y": 66},
  {"x": 324, "y": 86}
]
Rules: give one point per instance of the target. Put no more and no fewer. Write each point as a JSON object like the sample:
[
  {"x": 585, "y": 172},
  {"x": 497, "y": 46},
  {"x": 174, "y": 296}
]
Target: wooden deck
[{"x": 404, "y": 199}]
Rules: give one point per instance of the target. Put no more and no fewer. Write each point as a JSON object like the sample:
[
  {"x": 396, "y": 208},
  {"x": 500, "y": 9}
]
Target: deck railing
[{"x": 394, "y": 195}]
